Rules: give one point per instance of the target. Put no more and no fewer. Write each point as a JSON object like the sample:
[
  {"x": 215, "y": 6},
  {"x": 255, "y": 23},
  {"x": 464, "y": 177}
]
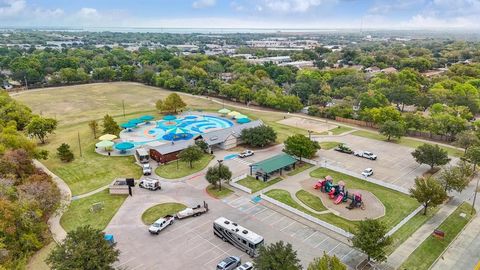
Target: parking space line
[
  {"x": 230, "y": 203},
  {"x": 347, "y": 254},
  {"x": 190, "y": 230},
  {"x": 227, "y": 253},
  {"x": 194, "y": 247},
  {"x": 201, "y": 254},
  {"x": 264, "y": 208},
  {"x": 278, "y": 220},
  {"x": 293, "y": 234},
  {"x": 333, "y": 248},
  {"x": 320, "y": 242},
  {"x": 133, "y": 258},
  {"x": 309, "y": 236},
  {"x": 268, "y": 216},
  {"x": 287, "y": 226},
  {"x": 136, "y": 267},
  {"x": 183, "y": 225},
  {"x": 246, "y": 211}
]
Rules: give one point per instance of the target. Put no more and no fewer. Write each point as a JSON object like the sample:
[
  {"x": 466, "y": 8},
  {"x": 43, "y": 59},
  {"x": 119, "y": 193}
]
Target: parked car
[
  {"x": 245, "y": 266},
  {"x": 246, "y": 153},
  {"x": 367, "y": 172},
  {"x": 149, "y": 183},
  {"x": 161, "y": 224},
  {"x": 343, "y": 149},
  {"x": 365, "y": 154},
  {"x": 229, "y": 263},
  {"x": 192, "y": 211},
  {"x": 147, "y": 169}
]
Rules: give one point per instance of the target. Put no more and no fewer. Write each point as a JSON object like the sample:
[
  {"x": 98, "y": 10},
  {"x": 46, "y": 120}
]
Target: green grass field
[
  {"x": 409, "y": 142},
  {"x": 219, "y": 194},
  {"x": 37, "y": 261},
  {"x": 160, "y": 210},
  {"x": 170, "y": 170},
  {"x": 328, "y": 145},
  {"x": 397, "y": 205},
  {"x": 310, "y": 200},
  {"x": 426, "y": 254},
  {"x": 300, "y": 168},
  {"x": 79, "y": 213},
  {"x": 337, "y": 131},
  {"x": 256, "y": 185}
]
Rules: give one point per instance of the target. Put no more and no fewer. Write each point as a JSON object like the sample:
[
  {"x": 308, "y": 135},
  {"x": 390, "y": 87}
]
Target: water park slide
[{"x": 339, "y": 199}]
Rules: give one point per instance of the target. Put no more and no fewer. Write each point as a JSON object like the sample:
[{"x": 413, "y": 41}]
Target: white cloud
[
  {"x": 292, "y": 5},
  {"x": 385, "y": 7},
  {"x": 10, "y": 8},
  {"x": 203, "y": 3}
]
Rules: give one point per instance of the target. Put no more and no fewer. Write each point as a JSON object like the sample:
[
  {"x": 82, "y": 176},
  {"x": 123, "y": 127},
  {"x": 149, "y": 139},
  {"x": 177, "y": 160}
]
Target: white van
[{"x": 142, "y": 155}]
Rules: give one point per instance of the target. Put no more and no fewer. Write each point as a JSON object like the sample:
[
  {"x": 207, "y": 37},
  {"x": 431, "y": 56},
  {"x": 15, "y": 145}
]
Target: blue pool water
[{"x": 191, "y": 125}]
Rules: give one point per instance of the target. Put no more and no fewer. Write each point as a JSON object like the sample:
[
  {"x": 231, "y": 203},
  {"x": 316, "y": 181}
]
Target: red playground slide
[
  {"x": 339, "y": 199},
  {"x": 330, "y": 194}
]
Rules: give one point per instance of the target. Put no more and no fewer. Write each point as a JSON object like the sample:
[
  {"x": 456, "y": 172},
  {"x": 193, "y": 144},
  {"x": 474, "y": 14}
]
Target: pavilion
[{"x": 269, "y": 166}]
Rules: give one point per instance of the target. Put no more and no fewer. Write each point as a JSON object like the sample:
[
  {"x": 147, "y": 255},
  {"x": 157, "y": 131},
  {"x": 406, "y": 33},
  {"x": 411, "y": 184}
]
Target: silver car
[{"x": 229, "y": 263}]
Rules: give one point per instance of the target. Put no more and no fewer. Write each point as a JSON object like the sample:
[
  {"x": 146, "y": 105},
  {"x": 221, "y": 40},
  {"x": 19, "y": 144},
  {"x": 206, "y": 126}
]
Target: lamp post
[
  {"x": 310, "y": 134},
  {"x": 219, "y": 173},
  {"x": 474, "y": 197}
]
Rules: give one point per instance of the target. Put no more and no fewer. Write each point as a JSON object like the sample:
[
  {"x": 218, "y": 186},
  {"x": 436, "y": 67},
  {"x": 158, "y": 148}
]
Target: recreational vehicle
[
  {"x": 238, "y": 236},
  {"x": 142, "y": 155}
]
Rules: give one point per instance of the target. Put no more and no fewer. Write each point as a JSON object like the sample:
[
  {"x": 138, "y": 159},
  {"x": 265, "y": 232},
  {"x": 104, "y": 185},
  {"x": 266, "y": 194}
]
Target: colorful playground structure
[{"x": 338, "y": 193}]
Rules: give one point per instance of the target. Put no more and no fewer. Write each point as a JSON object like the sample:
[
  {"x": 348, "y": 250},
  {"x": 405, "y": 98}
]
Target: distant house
[
  {"x": 226, "y": 76},
  {"x": 372, "y": 70},
  {"x": 298, "y": 64},
  {"x": 434, "y": 73},
  {"x": 389, "y": 70},
  {"x": 167, "y": 152}
]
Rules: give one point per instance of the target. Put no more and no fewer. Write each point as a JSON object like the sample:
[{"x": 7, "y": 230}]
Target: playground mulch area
[
  {"x": 373, "y": 209},
  {"x": 307, "y": 124}
]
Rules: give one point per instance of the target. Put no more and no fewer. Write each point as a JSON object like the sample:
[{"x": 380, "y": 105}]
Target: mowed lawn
[
  {"x": 171, "y": 171},
  {"x": 397, "y": 205},
  {"x": 79, "y": 212},
  {"x": 160, "y": 210},
  {"x": 256, "y": 185},
  {"x": 426, "y": 254}
]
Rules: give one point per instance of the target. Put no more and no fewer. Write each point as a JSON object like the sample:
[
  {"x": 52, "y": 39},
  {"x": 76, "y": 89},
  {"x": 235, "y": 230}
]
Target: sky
[{"x": 299, "y": 14}]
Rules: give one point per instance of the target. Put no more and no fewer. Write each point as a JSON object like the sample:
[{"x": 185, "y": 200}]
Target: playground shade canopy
[
  {"x": 224, "y": 111},
  {"x": 274, "y": 163},
  {"x": 136, "y": 121},
  {"x": 128, "y": 125},
  {"x": 124, "y": 146},
  {"x": 240, "y": 116},
  {"x": 102, "y": 144},
  {"x": 243, "y": 120},
  {"x": 107, "y": 137},
  {"x": 147, "y": 118},
  {"x": 177, "y": 131},
  {"x": 233, "y": 113},
  {"x": 169, "y": 117}
]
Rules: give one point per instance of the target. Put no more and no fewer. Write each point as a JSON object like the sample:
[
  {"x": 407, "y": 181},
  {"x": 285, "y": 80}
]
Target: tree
[
  {"x": 202, "y": 145},
  {"x": 94, "y": 126},
  {"x": 454, "y": 178},
  {"x": 259, "y": 136},
  {"x": 64, "y": 153},
  {"x": 110, "y": 126},
  {"x": 327, "y": 263},
  {"x": 173, "y": 102},
  {"x": 216, "y": 174},
  {"x": 40, "y": 127},
  {"x": 428, "y": 192},
  {"x": 473, "y": 156},
  {"x": 301, "y": 146},
  {"x": 432, "y": 155},
  {"x": 40, "y": 188},
  {"x": 466, "y": 138},
  {"x": 370, "y": 238},
  {"x": 392, "y": 128},
  {"x": 83, "y": 248},
  {"x": 278, "y": 256},
  {"x": 191, "y": 154},
  {"x": 159, "y": 105}
]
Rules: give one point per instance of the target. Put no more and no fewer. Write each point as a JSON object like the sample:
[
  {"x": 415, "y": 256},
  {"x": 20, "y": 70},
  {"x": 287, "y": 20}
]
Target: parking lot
[
  {"x": 394, "y": 163},
  {"x": 191, "y": 244}
]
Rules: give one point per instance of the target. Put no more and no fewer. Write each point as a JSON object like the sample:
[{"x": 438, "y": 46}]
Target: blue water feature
[{"x": 230, "y": 156}]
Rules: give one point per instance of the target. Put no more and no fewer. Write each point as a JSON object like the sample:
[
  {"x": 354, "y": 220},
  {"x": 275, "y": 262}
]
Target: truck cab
[{"x": 161, "y": 224}]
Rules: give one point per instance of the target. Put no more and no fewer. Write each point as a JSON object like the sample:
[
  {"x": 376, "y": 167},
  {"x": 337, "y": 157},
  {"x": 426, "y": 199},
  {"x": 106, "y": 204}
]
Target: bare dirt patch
[
  {"x": 307, "y": 124},
  {"x": 374, "y": 208}
]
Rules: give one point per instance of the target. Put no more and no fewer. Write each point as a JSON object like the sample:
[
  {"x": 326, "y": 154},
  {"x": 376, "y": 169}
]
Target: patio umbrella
[
  {"x": 127, "y": 125},
  {"x": 104, "y": 144},
  {"x": 177, "y": 131},
  {"x": 169, "y": 117},
  {"x": 233, "y": 113},
  {"x": 123, "y": 146},
  {"x": 224, "y": 111},
  {"x": 107, "y": 137},
  {"x": 146, "y": 118},
  {"x": 243, "y": 120},
  {"x": 240, "y": 116},
  {"x": 136, "y": 121}
]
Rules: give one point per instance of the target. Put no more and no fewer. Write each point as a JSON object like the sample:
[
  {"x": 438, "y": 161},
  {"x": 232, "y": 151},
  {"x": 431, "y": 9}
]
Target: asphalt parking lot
[
  {"x": 191, "y": 244},
  {"x": 394, "y": 163}
]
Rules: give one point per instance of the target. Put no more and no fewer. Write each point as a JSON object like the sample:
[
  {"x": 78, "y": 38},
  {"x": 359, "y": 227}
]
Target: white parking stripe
[
  {"x": 267, "y": 216},
  {"x": 260, "y": 211},
  {"x": 287, "y": 226},
  {"x": 201, "y": 254},
  {"x": 136, "y": 267},
  {"x": 190, "y": 230},
  {"x": 309, "y": 236},
  {"x": 278, "y": 220},
  {"x": 239, "y": 198},
  {"x": 125, "y": 262},
  {"x": 320, "y": 242},
  {"x": 246, "y": 210},
  {"x": 333, "y": 248},
  {"x": 347, "y": 254}
]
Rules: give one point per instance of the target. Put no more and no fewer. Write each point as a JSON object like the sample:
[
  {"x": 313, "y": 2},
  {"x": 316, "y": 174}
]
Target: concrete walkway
[{"x": 58, "y": 233}]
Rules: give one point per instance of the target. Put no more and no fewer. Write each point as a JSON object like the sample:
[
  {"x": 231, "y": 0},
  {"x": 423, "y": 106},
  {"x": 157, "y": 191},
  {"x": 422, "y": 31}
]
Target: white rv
[
  {"x": 238, "y": 236},
  {"x": 142, "y": 155}
]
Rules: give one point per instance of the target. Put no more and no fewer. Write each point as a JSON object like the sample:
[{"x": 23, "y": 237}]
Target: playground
[{"x": 307, "y": 124}]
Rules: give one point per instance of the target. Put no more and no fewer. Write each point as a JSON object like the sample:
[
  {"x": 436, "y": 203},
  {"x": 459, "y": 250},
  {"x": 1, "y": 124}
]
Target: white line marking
[
  {"x": 287, "y": 226},
  {"x": 201, "y": 254},
  {"x": 296, "y": 231},
  {"x": 189, "y": 231},
  {"x": 136, "y": 267},
  {"x": 249, "y": 208},
  {"x": 278, "y": 220},
  {"x": 333, "y": 248},
  {"x": 264, "y": 208},
  {"x": 347, "y": 254},
  {"x": 194, "y": 247},
  {"x": 230, "y": 203},
  {"x": 268, "y": 216},
  {"x": 320, "y": 242},
  {"x": 309, "y": 236},
  {"x": 127, "y": 261}
]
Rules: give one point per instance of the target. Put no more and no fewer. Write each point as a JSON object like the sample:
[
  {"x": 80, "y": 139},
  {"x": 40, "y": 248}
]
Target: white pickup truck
[
  {"x": 192, "y": 211},
  {"x": 365, "y": 154},
  {"x": 161, "y": 224}
]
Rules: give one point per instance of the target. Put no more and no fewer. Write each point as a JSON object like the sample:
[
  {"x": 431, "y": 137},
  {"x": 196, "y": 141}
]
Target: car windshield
[{"x": 156, "y": 225}]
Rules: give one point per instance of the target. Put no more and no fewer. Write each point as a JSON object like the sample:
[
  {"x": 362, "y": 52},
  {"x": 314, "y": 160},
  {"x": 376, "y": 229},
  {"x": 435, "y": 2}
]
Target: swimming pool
[{"x": 182, "y": 128}]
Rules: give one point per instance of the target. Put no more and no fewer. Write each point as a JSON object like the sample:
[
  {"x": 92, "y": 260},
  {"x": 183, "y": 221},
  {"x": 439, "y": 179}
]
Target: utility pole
[
  {"x": 123, "y": 106},
  {"x": 474, "y": 197},
  {"x": 26, "y": 82},
  {"x": 219, "y": 173},
  {"x": 310, "y": 134},
  {"x": 79, "y": 145}
]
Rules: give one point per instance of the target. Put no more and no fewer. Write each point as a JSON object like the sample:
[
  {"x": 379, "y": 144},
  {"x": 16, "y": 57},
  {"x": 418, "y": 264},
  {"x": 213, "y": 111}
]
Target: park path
[
  {"x": 408, "y": 247},
  {"x": 58, "y": 233}
]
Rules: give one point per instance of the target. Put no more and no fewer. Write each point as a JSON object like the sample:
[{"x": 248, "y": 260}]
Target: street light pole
[
  {"x": 310, "y": 134},
  {"x": 219, "y": 174},
  {"x": 474, "y": 197}
]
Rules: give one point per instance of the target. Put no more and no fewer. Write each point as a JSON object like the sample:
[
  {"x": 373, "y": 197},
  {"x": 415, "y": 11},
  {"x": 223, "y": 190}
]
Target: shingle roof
[
  {"x": 168, "y": 148},
  {"x": 219, "y": 136},
  {"x": 274, "y": 163}
]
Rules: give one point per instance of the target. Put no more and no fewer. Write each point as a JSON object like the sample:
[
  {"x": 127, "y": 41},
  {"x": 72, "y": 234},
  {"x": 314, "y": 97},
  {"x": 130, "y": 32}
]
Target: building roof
[
  {"x": 219, "y": 136},
  {"x": 168, "y": 148},
  {"x": 274, "y": 163}
]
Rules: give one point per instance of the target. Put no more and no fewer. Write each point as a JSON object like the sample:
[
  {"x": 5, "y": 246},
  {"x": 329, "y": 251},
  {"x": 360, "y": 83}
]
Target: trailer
[{"x": 192, "y": 211}]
